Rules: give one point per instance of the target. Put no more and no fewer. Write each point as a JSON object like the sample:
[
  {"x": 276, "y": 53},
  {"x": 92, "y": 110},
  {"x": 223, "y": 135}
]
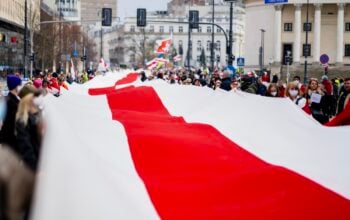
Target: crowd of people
[{"x": 322, "y": 98}]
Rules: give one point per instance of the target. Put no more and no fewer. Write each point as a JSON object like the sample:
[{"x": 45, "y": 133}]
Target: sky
[{"x": 128, "y": 7}]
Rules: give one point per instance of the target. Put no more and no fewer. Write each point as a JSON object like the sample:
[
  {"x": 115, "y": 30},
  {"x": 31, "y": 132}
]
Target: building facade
[
  {"x": 201, "y": 38},
  {"x": 12, "y": 31},
  {"x": 285, "y": 30},
  {"x": 91, "y": 9},
  {"x": 67, "y": 9}
]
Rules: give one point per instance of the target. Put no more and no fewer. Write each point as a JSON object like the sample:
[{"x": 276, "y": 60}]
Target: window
[
  {"x": 180, "y": 42},
  {"x": 288, "y": 27},
  {"x": 218, "y": 58},
  {"x": 208, "y": 29},
  {"x": 198, "y": 58},
  {"x": 208, "y": 45},
  {"x": 218, "y": 45},
  {"x": 132, "y": 58},
  {"x": 307, "y": 26},
  {"x": 151, "y": 29},
  {"x": 199, "y": 29},
  {"x": 171, "y": 29},
  {"x": 181, "y": 29},
  {"x": 133, "y": 49},
  {"x": 132, "y": 28},
  {"x": 347, "y": 26},
  {"x": 161, "y": 29},
  {"x": 199, "y": 45},
  {"x": 347, "y": 50},
  {"x": 218, "y": 30},
  {"x": 307, "y": 49}
]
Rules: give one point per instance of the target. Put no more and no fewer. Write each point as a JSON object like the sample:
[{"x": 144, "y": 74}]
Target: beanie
[{"x": 13, "y": 82}]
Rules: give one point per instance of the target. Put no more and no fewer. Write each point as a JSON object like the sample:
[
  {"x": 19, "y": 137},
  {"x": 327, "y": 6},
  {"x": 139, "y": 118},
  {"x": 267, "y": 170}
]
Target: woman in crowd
[
  {"x": 29, "y": 129},
  {"x": 272, "y": 90},
  {"x": 293, "y": 92},
  {"x": 217, "y": 84},
  {"x": 234, "y": 85},
  {"x": 315, "y": 97}
]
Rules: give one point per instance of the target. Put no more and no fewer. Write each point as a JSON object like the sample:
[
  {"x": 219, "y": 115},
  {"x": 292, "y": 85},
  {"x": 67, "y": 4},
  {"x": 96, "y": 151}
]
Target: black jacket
[
  {"x": 29, "y": 140},
  {"x": 7, "y": 135},
  {"x": 226, "y": 84},
  {"x": 341, "y": 101}
]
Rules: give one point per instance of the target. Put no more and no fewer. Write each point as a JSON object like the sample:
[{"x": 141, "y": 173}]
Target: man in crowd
[
  {"x": 7, "y": 134},
  {"x": 344, "y": 96}
]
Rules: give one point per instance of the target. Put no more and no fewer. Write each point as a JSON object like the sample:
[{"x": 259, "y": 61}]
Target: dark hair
[{"x": 297, "y": 77}]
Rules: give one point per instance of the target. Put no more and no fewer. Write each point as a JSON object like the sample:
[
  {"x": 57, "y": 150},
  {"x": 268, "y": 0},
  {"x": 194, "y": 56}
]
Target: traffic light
[
  {"x": 141, "y": 17},
  {"x": 106, "y": 16},
  {"x": 83, "y": 58},
  {"x": 194, "y": 19},
  {"x": 32, "y": 57}
]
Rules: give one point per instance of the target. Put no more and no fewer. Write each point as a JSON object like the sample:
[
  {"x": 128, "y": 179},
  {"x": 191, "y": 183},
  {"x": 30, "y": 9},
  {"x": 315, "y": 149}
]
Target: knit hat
[
  {"x": 13, "y": 82},
  {"x": 37, "y": 83}
]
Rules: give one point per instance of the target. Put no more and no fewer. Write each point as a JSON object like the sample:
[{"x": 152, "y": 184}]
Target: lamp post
[
  {"x": 229, "y": 49},
  {"x": 261, "y": 51},
  {"x": 306, "y": 49},
  {"x": 212, "y": 53},
  {"x": 25, "y": 38}
]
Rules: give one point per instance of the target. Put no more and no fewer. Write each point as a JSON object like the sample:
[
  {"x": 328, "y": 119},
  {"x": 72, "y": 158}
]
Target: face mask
[
  {"x": 293, "y": 93},
  {"x": 273, "y": 93},
  {"x": 297, "y": 81},
  {"x": 39, "y": 102},
  {"x": 2, "y": 108}
]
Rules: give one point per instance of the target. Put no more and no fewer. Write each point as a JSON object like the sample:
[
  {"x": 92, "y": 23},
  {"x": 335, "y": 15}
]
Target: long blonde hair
[{"x": 24, "y": 107}]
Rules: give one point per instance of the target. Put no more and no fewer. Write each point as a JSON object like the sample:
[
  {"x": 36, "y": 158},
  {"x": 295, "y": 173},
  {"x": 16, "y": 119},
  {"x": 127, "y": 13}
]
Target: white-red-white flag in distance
[
  {"x": 163, "y": 46},
  {"x": 154, "y": 63},
  {"x": 177, "y": 58},
  {"x": 152, "y": 150}
]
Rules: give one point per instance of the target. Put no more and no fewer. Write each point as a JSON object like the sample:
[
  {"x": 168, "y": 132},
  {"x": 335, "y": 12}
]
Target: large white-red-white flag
[{"x": 160, "y": 151}]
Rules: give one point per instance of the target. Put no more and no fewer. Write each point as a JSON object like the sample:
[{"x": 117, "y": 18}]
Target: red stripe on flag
[
  {"x": 130, "y": 78},
  {"x": 342, "y": 119},
  {"x": 192, "y": 171}
]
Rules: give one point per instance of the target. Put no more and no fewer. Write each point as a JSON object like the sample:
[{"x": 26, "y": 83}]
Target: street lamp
[
  {"x": 212, "y": 53},
  {"x": 230, "y": 55},
  {"x": 306, "y": 49},
  {"x": 25, "y": 38},
  {"x": 261, "y": 51}
]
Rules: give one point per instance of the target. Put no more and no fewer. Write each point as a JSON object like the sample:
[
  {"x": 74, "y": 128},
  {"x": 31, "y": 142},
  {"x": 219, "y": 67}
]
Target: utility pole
[
  {"x": 144, "y": 48},
  {"x": 306, "y": 49},
  {"x": 230, "y": 57},
  {"x": 261, "y": 51},
  {"x": 25, "y": 39},
  {"x": 189, "y": 45},
  {"x": 101, "y": 51},
  {"x": 212, "y": 52}
]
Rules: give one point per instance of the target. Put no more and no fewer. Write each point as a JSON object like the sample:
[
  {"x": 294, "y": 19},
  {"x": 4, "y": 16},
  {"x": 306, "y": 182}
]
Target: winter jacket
[
  {"x": 226, "y": 84},
  {"x": 343, "y": 100},
  {"x": 7, "y": 135},
  {"x": 29, "y": 140}
]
